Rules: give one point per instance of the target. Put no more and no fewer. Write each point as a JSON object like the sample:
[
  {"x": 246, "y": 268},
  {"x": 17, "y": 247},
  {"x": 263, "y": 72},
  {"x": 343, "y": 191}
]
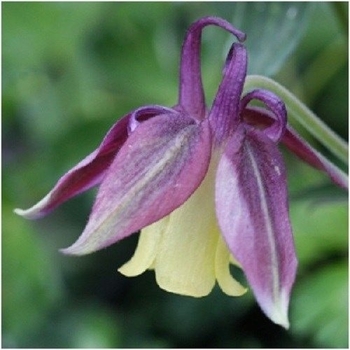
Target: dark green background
[{"x": 69, "y": 71}]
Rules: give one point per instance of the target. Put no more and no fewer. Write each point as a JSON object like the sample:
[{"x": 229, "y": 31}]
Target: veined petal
[
  {"x": 224, "y": 114},
  {"x": 252, "y": 210},
  {"x": 160, "y": 165},
  {"x": 191, "y": 95},
  {"x": 90, "y": 171},
  {"x": 86, "y": 174},
  {"x": 300, "y": 147}
]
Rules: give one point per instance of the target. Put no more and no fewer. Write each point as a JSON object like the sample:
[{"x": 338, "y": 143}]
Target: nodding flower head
[{"x": 206, "y": 186}]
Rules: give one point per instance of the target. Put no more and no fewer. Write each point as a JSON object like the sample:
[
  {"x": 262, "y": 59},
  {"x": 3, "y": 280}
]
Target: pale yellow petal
[
  {"x": 222, "y": 269},
  {"x": 185, "y": 260},
  {"x": 146, "y": 250}
]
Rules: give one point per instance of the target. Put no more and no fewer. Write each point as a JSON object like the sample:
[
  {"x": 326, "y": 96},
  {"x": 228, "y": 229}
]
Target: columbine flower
[{"x": 207, "y": 187}]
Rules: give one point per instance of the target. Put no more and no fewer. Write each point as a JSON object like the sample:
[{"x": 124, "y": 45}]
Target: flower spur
[{"x": 206, "y": 187}]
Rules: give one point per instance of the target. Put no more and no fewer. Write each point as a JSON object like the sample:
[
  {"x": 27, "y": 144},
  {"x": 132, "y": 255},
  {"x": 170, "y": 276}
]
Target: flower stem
[{"x": 304, "y": 116}]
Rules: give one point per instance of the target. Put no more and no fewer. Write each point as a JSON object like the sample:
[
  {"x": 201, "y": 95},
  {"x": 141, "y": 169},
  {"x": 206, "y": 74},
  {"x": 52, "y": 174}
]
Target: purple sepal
[
  {"x": 252, "y": 210},
  {"x": 86, "y": 174},
  {"x": 91, "y": 170},
  {"x": 160, "y": 165},
  {"x": 301, "y": 148}
]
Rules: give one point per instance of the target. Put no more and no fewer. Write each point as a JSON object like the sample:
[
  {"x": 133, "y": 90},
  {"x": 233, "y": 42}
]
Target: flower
[{"x": 207, "y": 187}]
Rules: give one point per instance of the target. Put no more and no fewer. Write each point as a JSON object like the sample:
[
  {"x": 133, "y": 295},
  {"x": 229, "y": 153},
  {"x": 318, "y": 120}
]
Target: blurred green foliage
[{"x": 69, "y": 71}]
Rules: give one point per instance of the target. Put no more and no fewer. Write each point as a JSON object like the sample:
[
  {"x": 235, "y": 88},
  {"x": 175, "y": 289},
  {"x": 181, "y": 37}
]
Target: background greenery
[{"x": 69, "y": 71}]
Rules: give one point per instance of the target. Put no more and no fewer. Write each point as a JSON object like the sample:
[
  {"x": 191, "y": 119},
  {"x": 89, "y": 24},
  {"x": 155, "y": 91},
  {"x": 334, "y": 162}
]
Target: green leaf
[
  {"x": 319, "y": 307},
  {"x": 31, "y": 283},
  {"x": 92, "y": 326},
  {"x": 320, "y": 229}
]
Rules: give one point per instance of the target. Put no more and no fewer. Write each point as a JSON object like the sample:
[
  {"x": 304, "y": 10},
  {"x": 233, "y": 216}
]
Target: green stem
[{"x": 299, "y": 112}]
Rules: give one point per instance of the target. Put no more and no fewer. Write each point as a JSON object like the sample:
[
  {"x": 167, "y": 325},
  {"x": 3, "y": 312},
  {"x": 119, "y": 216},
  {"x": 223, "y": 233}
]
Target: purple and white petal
[
  {"x": 158, "y": 168},
  {"x": 252, "y": 210},
  {"x": 91, "y": 170}
]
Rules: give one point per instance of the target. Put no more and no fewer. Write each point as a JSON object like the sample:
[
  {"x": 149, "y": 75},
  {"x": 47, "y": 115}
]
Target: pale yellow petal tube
[
  {"x": 222, "y": 269},
  {"x": 185, "y": 262},
  {"x": 146, "y": 250},
  {"x": 186, "y": 249}
]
